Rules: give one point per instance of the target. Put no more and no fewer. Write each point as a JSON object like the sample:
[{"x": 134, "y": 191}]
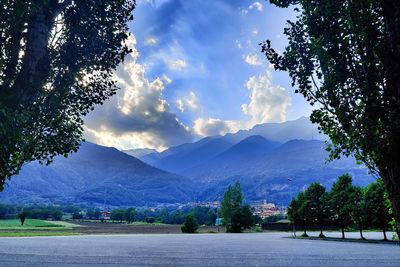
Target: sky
[{"x": 196, "y": 70}]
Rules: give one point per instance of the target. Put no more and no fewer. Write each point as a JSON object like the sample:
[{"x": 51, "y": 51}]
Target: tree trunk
[
  {"x": 305, "y": 231},
  {"x": 35, "y": 64},
  {"x": 343, "y": 237},
  {"x": 361, "y": 234},
  {"x": 392, "y": 182},
  {"x": 384, "y": 235},
  {"x": 321, "y": 234},
  {"x": 294, "y": 230}
]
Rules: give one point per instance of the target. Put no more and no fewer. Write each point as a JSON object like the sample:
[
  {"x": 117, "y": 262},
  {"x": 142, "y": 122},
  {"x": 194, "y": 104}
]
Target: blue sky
[{"x": 196, "y": 71}]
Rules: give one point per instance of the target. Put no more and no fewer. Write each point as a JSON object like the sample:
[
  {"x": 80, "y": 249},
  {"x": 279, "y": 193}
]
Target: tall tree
[
  {"x": 304, "y": 212},
  {"x": 376, "y": 208},
  {"x": 235, "y": 216},
  {"x": 130, "y": 215},
  {"x": 293, "y": 213},
  {"x": 359, "y": 213},
  {"x": 299, "y": 212},
  {"x": 318, "y": 206},
  {"x": 344, "y": 55},
  {"x": 343, "y": 200},
  {"x": 56, "y": 62}
]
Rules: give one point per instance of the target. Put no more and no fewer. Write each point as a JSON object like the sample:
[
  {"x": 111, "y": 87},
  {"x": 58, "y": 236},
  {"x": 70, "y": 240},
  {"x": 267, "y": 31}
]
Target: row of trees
[
  {"x": 345, "y": 205},
  {"x": 202, "y": 215}
]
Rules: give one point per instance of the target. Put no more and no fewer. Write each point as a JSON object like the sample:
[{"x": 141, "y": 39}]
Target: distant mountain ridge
[
  {"x": 274, "y": 168},
  {"x": 277, "y": 175},
  {"x": 94, "y": 175},
  {"x": 184, "y": 157}
]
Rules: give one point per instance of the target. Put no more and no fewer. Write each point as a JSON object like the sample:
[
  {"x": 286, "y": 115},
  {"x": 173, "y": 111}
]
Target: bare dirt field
[{"x": 122, "y": 228}]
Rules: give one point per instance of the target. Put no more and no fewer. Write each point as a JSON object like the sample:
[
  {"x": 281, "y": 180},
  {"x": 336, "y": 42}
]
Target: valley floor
[{"x": 259, "y": 249}]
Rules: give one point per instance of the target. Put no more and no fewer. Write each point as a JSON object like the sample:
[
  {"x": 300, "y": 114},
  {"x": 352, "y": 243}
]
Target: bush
[
  {"x": 57, "y": 215},
  {"x": 150, "y": 220},
  {"x": 77, "y": 216},
  {"x": 190, "y": 225}
]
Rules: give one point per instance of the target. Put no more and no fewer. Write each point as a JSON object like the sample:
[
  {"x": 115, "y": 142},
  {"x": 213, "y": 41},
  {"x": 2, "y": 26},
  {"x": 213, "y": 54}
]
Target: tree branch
[{"x": 61, "y": 7}]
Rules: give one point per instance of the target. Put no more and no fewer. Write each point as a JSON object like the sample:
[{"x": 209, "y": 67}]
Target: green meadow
[{"x": 35, "y": 227}]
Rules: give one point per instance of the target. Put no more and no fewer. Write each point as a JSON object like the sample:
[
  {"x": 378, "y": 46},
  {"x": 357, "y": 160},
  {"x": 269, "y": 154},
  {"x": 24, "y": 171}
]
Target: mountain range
[
  {"x": 96, "y": 175},
  {"x": 272, "y": 161}
]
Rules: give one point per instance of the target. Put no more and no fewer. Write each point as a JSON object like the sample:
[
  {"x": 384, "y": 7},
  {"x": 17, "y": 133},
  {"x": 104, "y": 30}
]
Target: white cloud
[
  {"x": 137, "y": 116},
  {"x": 180, "y": 105},
  {"x": 267, "y": 103},
  {"x": 239, "y": 44},
  {"x": 212, "y": 126},
  {"x": 166, "y": 79},
  {"x": 253, "y": 60},
  {"x": 254, "y": 32},
  {"x": 189, "y": 102},
  {"x": 256, "y": 5},
  {"x": 151, "y": 41},
  {"x": 178, "y": 64}
]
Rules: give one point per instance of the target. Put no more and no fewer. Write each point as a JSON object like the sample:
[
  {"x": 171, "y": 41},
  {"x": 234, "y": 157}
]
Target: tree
[
  {"x": 359, "y": 213},
  {"x": 22, "y": 216},
  {"x": 77, "y": 216},
  {"x": 93, "y": 214},
  {"x": 317, "y": 199},
  {"x": 211, "y": 216},
  {"x": 376, "y": 208},
  {"x": 130, "y": 215},
  {"x": 6, "y": 210},
  {"x": 117, "y": 215},
  {"x": 57, "y": 215},
  {"x": 150, "y": 219},
  {"x": 56, "y": 62},
  {"x": 234, "y": 216},
  {"x": 344, "y": 56},
  {"x": 303, "y": 212},
  {"x": 293, "y": 213},
  {"x": 190, "y": 225},
  {"x": 343, "y": 200}
]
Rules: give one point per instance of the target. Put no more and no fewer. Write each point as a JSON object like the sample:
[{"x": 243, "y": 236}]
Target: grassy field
[{"x": 33, "y": 227}]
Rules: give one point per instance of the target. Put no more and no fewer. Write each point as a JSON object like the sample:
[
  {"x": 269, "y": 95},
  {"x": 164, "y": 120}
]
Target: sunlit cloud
[
  {"x": 188, "y": 102},
  {"x": 151, "y": 41},
  {"x": 253, "y": 60},
  {"x": 256, "y": 5},
  {"x": 178, "y": 64},
  {"x": 137, "y": 116}
]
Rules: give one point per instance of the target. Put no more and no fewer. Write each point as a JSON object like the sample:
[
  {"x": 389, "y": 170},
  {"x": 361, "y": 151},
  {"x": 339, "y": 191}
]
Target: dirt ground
[{"x": 122, "y": 228}]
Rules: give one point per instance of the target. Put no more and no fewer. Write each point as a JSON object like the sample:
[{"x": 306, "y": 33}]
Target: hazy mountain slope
[
  {"x": 301, "y": 128},
  {"x": 277, "y": 175},
  {"x": 180, "y": 158},
  {"x": 247, "y": 150},
  {"x": 140, "y": 152},
  {"x": 191, "y": 155},
  {"x": 95, "y": 173}
]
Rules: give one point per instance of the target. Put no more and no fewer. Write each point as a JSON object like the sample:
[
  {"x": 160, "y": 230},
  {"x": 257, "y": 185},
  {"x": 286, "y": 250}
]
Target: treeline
[
  {"x": 344, "y": 206},
  {"x": 203, "y": 215},
  {"x": 37, "y": 211}
]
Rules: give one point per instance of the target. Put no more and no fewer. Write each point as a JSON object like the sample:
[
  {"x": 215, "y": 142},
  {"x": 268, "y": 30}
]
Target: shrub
[{"x": 190, "y": 225}]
